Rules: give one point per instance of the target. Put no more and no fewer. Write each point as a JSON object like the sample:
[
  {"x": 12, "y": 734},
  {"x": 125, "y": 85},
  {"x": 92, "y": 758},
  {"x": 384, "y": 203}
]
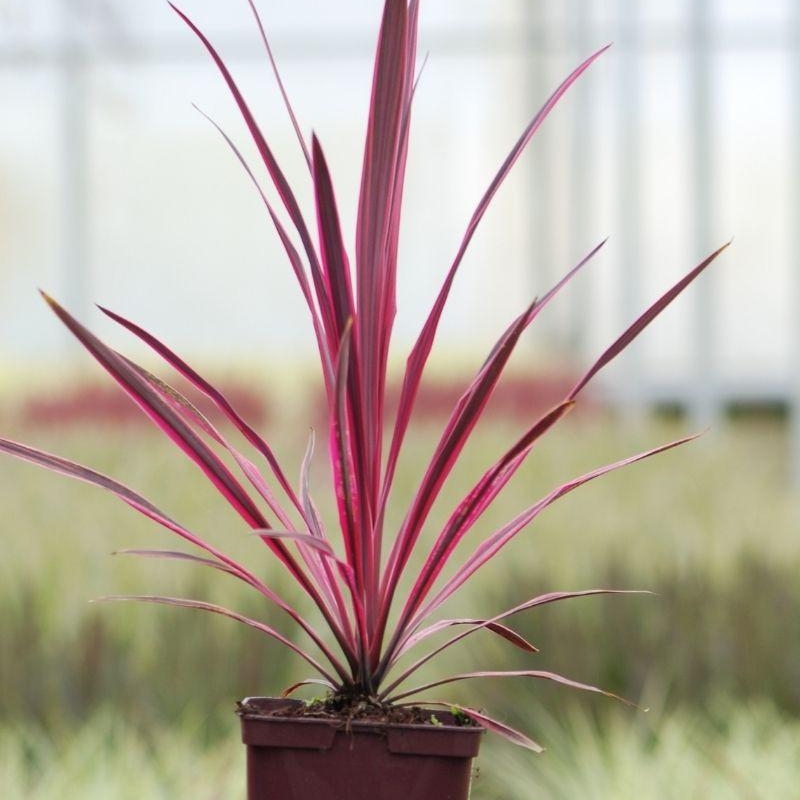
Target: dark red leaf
[
  {"x": 500, "y": 728},
  {"x": 518, "y": 673},
  {"x": 415, "y": 638},
  {"x": 477, "y": 624}
]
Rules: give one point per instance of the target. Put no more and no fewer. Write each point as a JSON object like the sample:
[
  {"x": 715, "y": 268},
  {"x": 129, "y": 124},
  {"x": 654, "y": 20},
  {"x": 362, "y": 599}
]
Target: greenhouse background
[{"x": 683, "y": 136}]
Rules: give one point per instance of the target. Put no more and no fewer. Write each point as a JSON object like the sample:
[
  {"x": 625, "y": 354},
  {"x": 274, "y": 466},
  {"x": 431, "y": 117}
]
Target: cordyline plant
[{"x": 357, "y": 587}]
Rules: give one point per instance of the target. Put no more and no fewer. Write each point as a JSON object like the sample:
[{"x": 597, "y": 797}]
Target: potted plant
[{"x": 366, "y": 738}]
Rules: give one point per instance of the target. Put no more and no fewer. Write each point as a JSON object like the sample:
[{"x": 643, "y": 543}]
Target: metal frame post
[
  {"x": 705, "y": 390},
  {"x": 580, "y": 166},
  {"x": 794, "y": 350},
  {"x": 537, "y": 87},
  {"x": 631, "y": 399},
  {"x": 74, "y": 158}
]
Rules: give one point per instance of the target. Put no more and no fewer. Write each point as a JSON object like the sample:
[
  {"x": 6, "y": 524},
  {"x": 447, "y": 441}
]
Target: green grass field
[
  {"x": 753, "y": 755},
  {"x": 135, "y": 701}
]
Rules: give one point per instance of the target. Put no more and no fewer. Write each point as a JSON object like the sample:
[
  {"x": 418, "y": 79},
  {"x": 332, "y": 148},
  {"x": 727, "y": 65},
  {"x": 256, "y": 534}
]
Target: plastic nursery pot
[{"x": 303, "y": 758}]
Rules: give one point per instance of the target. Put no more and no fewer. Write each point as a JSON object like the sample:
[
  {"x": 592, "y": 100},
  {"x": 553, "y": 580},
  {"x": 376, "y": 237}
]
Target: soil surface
[{"x": 346, "y": 710}]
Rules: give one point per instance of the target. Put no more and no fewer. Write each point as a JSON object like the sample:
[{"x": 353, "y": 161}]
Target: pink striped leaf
[
  {"x": 164, "y": 416},
  {"x": 459, "y": 427},
  {"x": 389, "y": 278},
  {"x": 374, "y": 218},
  {"x": 291, "y": 252},
  {"x": 644, "y": 320},
  {"x": 475, "y": 503},
  {"x": 336, "y": 266},
  {"x": 184, "y": 407},
  {"x": 389, "y": 308},
  {"x": 87, "y": 475},
  {"x": 494, "y": 543},
  {"x": 309, "y": 540},
  {"x": 450, "y": 444},
  {"x": 422, "y": 348},
  {"x": 316, "y": 528},
  {"x": 178, "y": 431},
  {"x": 277, "y": 74},
  {"x": 415, "y": 638},
  {"x": 347, "y": 490},
  {"x": 144, "y": 506},
  {"x": 275, "y": 172},
  {"x": 390, "y": 301},
  {"x": 311, "y": 512},
  {"x": 225, "y": 612},
  {"x": 132, "y": 498},
  {"x": 188, "y": 411},
  {"x": 216, "y": 397},
  {"x": 181, "y": 556},
  {"x": 341, "y": 457},
  {"x": 177, "y": 555},
  {"x": 337, "y": 275}
]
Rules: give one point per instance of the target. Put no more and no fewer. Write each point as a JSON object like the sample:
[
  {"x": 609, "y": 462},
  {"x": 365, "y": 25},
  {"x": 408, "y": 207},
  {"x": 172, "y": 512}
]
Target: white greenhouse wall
[{"x": 114, "y": 189}]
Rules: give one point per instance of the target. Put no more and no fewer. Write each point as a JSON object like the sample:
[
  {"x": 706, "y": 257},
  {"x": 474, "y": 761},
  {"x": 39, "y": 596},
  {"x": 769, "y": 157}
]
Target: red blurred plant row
[{"x": 87, "y": 403}]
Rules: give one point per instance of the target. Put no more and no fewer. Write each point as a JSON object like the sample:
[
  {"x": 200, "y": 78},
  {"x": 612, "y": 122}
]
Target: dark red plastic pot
[{"x": 301, "y": 758}]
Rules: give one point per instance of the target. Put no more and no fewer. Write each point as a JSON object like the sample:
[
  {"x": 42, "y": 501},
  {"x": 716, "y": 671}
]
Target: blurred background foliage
[{"x": 140, "y": 698}]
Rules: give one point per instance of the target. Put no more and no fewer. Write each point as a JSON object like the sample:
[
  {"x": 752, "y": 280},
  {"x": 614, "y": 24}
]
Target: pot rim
[{"x": 364, "y": 726}]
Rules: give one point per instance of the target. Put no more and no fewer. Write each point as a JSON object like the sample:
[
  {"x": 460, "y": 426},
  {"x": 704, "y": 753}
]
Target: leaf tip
[
  {"x": 719, "y": 250},
  {"x": 108, "y": 598},
  {"x": 49, "y": 300}
]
